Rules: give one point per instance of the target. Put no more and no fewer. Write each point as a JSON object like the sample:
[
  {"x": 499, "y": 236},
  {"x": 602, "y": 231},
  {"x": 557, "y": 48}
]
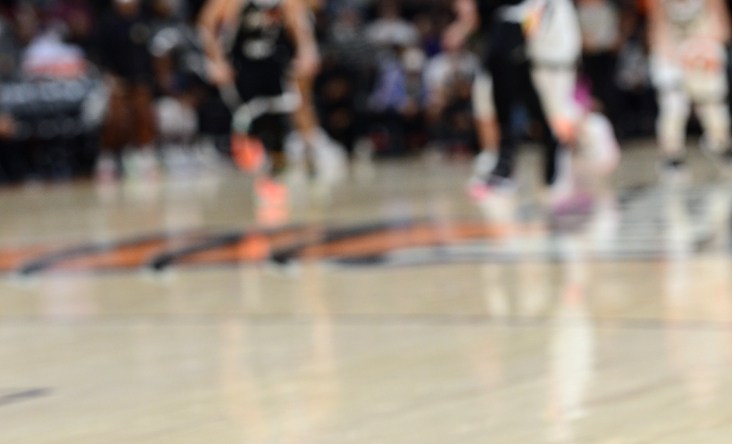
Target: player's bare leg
[{"x": 310, "y": 144}]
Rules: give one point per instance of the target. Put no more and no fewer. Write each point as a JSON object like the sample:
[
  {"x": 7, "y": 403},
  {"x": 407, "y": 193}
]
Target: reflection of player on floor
[
  {"x": 688, "y": 66},
  {"x": 267, "y": 39}
]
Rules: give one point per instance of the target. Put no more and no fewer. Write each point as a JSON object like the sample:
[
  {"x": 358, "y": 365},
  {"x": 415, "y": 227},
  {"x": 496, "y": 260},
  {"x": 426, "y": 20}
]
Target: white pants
[
  {"x": 680, "y": 86},
  {"x": 556, "y": 87},
  {"x": 483, "y": 103}
]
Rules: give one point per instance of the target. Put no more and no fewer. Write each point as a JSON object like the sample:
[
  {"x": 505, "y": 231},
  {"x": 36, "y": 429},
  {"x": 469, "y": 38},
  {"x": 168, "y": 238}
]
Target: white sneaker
[
  {"x": 142, "y": 164},
  {"x": 484, "y": 164},
  {"x": 331, "y": 164},
  {"x": 106, "y": 169},
  {"x": 364, "y": 170},
  {"x": 177, "y": 161}
]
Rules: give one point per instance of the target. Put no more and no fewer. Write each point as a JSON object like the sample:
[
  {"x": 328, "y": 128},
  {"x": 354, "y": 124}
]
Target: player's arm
[
  {"x": 721, "y": 29},
  {"x": 658, "y": 32},
  {"x": 298, "y": 24},
  {"x": 216, "y": 13},
  {"x": 466, "y": 23}
]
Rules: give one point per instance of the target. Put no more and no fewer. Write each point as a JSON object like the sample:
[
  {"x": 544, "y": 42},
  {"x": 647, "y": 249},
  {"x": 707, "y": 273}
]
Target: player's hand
[
  {"x": 307, "y": 63},
  {"x": 220, "y": 72}
]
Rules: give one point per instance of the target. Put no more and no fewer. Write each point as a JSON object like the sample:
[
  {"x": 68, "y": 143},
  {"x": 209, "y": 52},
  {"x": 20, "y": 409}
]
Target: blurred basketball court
[{"x": 162, "y": 312}]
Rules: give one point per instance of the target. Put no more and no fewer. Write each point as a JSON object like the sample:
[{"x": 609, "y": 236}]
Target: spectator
[
  {"x": 47, "y": 55},
  {"x": 390, "y": 29},
  {"x": 180, "y": 74},
  {"x": 448, "y": 80},
  {"x": 130, "y": 123},
  {"x": 429, "y": 36},
  {"x": 78, "y": 18},
  {"x": 386, "y": 102}
]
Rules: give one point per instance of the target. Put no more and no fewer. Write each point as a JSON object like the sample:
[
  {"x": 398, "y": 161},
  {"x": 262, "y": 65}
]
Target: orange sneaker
[{"x": 248, "y": 153}]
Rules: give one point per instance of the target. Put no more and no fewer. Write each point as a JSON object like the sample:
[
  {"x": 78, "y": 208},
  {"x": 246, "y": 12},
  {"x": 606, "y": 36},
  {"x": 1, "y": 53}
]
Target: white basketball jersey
[
  {"x": 557, "y": 38},
  {"x": 686, "y": 17}
]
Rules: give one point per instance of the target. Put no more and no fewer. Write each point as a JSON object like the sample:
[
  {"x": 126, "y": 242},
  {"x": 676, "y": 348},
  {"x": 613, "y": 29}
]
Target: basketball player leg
[
  {"x": 145, "y": 159},
  {"x": 509, "y": 71},
  {"x": 115, "y": 135},
  {"x": 260, "y": 127},
  {"x": 305, "y": 124},
  {"x": 507, "y": 40},
  {"x": 715, "y": 118},
  {"x": 257, "y": 137},
  {"x": 709, "y": 91},
  {"x": 554, "y": 107},
  {"x": 673, "y": 114},
  {"x": 538, "y": 110},
  {"x": 328, "y": 158},
  {"x": 258, "y": 149},
  {"x": 485, "y": 125},
  {"x": 589, "y": 152}
]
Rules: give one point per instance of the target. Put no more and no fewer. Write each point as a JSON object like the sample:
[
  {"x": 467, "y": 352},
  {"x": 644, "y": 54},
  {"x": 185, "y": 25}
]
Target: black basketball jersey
[{"x": 261, "y": 34}]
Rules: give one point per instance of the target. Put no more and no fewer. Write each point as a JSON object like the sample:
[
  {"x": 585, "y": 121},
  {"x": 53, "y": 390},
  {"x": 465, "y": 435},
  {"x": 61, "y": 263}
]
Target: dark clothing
[
  {"x": 260, "y": 79},
  {"x": 130, "y": 119},
  {"x": 512, "y": 83},
  {"x": 261, "y": 51},
  {"x": 123, "y": 48},
  {"x": 601, "y": 69},
  {"x": 487, "y": 10},
  {"x": 337, "y": 93}
]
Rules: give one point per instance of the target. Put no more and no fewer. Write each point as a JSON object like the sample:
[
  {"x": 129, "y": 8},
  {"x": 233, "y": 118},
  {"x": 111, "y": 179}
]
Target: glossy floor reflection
[{"x": 616, "y": 328}]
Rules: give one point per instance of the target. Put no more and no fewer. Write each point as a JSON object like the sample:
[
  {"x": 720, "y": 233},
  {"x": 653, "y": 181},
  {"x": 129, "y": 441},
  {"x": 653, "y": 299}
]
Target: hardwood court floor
[{"x": 394, "y": 316}]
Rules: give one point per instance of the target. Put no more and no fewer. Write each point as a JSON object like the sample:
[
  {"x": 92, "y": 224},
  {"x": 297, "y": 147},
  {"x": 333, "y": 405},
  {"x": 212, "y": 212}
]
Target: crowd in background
[{"x": 78, "y": 76}]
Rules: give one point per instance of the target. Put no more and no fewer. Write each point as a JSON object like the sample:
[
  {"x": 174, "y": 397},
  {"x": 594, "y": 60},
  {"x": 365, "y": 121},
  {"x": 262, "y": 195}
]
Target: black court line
[
  {"x": 284, "y": 255},
  {"x": 16, "y": 397},
  {"x": 48, "y": 261},
  {"x": 167, "y": 259},
  {"x": 170, "y": 258},
  {"x": 289, "y": 254}
]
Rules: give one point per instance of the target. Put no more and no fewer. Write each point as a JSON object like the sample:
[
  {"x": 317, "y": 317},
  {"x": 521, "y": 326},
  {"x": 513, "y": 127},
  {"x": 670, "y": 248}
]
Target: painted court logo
[{"x": 363, "y": 244}]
